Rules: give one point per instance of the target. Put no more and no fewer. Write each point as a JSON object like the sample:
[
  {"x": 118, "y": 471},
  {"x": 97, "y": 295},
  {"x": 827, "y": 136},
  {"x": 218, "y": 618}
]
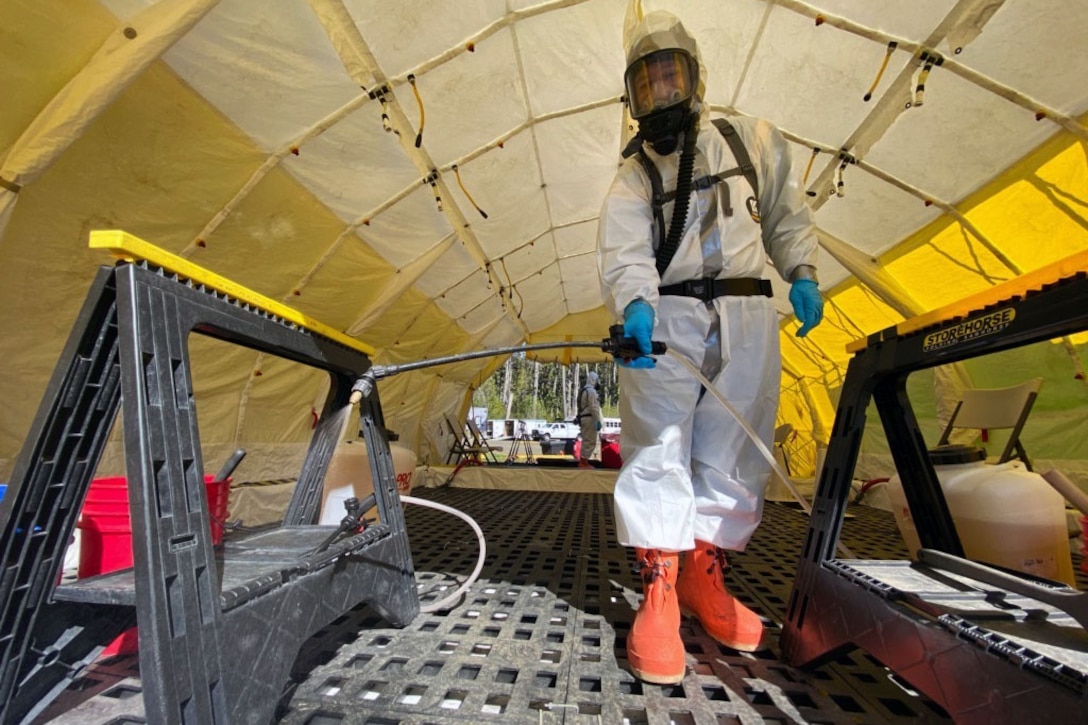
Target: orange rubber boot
[
  {"x": 654, "y": 647},
  {"x": 702, "y": 594}
]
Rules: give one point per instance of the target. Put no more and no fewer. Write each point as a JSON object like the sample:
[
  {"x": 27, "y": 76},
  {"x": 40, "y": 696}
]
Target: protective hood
[{"x": 658, "y": 31}]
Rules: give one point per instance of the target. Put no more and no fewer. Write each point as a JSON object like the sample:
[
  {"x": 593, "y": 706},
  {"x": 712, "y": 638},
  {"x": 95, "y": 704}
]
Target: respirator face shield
[
  {"x": 660, "y": 80},
  {"x": 660, "y": 91}
]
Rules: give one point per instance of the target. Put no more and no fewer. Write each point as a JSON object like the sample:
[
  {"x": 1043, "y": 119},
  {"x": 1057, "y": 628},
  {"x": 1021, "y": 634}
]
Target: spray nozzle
[
  {"x": 626, "y": 348},
  {"x": 366, "y": 382},
  {"x": 351, "y": 523}
]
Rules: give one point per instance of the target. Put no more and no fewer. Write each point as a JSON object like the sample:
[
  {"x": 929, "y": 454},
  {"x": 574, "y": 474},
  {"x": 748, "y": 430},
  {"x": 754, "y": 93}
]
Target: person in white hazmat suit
[
  {"x": 589, "y": 418},
  {"x": 692, "y": 483}
]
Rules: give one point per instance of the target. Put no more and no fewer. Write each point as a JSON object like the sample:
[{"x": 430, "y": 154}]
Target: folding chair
[
  {"x": 478, "y": 441},
  {"x": 462, "y": 446},
  {"x": 994, "y": 408}
]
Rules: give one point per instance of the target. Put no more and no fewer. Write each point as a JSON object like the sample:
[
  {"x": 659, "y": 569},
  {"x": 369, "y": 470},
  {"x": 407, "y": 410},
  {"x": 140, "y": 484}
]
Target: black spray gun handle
[{"x": 626, "y": 348}]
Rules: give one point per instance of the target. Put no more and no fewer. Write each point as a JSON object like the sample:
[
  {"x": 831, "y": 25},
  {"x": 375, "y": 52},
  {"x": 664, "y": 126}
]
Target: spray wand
[{"x": 616, "y": 344}]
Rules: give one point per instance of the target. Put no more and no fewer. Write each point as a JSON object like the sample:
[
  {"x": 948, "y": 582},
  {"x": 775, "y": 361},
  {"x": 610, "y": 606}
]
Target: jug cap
[{"x": 956, "y": 454}]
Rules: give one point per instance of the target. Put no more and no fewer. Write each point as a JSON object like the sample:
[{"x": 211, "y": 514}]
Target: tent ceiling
[{"x": 250, "y": 147}]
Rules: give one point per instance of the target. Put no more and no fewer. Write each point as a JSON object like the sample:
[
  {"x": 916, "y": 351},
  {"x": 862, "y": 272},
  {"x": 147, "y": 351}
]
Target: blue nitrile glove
[
  {"x": 598, "y": 425},
  {"x": 638, "y": 322},
  {"x": 807, "y": 303}
]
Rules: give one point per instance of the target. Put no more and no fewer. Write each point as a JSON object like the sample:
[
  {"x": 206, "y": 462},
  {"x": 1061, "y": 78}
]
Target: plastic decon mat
[{"x": 540, "y": 637}]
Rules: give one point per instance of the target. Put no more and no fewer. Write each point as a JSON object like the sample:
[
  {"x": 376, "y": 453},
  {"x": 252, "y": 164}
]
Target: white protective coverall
[{"x": 690, "y": 471}]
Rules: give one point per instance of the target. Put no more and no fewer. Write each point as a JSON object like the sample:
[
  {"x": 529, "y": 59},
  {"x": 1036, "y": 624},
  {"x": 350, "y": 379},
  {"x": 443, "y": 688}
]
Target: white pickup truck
[{"x": 560, "y": 430}]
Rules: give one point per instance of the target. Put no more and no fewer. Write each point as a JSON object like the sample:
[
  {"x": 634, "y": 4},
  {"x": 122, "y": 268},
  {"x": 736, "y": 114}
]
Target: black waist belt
[{"x": 707, "y": 289}]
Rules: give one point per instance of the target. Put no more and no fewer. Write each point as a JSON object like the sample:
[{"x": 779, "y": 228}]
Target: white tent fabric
[{"x": 275, "y": 143}]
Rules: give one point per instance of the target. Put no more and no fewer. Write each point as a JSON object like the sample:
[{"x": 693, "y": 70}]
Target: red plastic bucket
[
  {"x": 610, "y": 453},
  {"x": 105, "y": 538}
]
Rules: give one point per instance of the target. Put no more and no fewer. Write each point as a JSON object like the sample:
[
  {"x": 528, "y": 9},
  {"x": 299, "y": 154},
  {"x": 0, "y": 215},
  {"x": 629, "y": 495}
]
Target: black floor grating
[{"x": 540, "y": 638}]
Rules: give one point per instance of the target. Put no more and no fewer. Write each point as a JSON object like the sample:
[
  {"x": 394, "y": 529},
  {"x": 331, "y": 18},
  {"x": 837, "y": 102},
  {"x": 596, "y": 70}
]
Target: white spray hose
[
  {"x": 747, "y": 428},
  {"x": 760, "y": 445},
  {"x": 449, "y": 600}
]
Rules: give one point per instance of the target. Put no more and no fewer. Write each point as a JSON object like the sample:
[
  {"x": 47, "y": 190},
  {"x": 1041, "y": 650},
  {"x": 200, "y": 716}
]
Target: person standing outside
[
  {"x": 589, "y": 418},
  {"x": 680, "y": 259}
]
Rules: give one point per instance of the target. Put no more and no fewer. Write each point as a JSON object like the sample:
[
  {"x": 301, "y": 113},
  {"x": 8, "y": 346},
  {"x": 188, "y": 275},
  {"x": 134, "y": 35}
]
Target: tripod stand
[{"x": 521, "y": 445}]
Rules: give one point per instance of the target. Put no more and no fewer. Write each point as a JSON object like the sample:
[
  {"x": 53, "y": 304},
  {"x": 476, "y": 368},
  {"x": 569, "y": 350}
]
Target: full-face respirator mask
[{"x": 660, "y": 93}]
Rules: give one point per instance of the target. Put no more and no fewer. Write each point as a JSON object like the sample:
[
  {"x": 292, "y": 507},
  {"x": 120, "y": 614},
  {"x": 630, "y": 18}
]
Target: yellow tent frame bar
[
  {"x": 1018, "y": 286},
  {"x": 123, "y": 245}
]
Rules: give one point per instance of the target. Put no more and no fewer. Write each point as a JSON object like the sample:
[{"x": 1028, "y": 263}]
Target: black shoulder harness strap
[
  {"x": 659, "y": 197},
  {"x": 740, "y": 153},
  {"x": 657, "y": 194}
]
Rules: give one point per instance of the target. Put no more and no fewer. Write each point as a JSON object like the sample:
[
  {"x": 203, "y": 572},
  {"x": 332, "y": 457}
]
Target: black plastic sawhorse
[
  {"x": 219, "y": 630},
  {"x": 977, "y": 674}
]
